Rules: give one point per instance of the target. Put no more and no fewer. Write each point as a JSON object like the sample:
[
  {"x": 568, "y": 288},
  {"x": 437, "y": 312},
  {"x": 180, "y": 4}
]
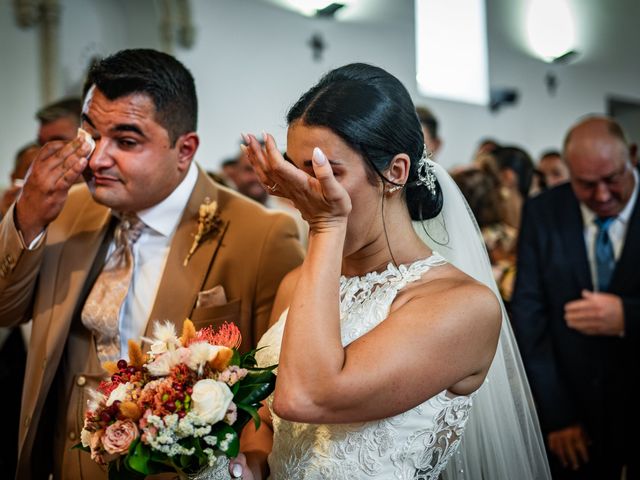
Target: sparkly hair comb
[{"x": 426, "y": 175}]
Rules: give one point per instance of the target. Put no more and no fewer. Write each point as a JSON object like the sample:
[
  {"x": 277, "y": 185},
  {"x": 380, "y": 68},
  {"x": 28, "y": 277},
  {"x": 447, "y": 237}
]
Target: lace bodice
[{"x": 412, "y": 445}]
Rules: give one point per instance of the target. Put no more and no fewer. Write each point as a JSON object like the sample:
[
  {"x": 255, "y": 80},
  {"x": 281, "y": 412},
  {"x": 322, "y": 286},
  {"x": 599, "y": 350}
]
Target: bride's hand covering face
[{"x": 321, "y": 199}]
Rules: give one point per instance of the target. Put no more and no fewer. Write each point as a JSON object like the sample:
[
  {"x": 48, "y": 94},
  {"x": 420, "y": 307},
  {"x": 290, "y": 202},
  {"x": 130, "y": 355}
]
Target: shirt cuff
[{"x": 35, "y": 243}]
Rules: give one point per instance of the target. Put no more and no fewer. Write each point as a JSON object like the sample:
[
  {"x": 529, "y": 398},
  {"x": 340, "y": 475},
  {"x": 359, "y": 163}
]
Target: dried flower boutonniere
[{"x": 209, "y": 222}]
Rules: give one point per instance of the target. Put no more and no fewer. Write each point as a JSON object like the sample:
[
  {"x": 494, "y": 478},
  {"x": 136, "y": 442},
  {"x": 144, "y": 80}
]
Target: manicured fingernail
[
  {"x": 318, "y": 157},
  {"x": 245, "y": 138},
  {"x": 236, "y": 470},
  {"x": 265, "y": 137}
]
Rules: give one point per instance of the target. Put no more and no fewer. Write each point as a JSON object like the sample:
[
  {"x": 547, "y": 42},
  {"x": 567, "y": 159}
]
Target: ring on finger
[{"x": 272, "y": 188}]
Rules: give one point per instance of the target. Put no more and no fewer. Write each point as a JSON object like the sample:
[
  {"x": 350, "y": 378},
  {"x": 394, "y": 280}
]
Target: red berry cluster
[
  {"x": 126, "y": 373},
  {"x": 178, "y": 401},
  {"x": 111, "y": 413}
]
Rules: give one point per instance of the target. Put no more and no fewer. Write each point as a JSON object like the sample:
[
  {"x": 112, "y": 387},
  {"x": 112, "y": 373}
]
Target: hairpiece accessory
[
  {"x": 395, "y": 188},
  {"x": 426, "y": 176}
]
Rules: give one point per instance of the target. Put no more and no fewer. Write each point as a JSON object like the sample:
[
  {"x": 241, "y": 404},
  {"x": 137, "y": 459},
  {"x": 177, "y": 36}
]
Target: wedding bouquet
[{"x": 179, "y": 408}]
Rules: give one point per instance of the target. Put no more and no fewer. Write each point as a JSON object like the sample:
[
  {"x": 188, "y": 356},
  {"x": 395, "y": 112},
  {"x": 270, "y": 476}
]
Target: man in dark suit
[
  {"x": 140, "y": 108},
  {"x": 576, "y": 304}
]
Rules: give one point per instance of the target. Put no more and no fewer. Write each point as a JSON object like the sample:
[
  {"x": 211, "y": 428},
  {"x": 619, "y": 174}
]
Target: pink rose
[{"x": 119, "y": 436}]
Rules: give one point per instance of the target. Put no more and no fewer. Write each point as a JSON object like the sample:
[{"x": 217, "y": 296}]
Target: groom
[{"x": 56, "y": 242}]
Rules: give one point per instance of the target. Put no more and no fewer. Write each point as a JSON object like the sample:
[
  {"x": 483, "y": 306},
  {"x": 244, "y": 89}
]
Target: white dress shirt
[
  {"x": 150, "y": 254},
  {"x": 617, "y": 230}
]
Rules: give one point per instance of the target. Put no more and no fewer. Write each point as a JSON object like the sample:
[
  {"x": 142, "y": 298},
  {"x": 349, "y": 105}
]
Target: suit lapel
[
  {"x": 628, "y": 261},
  {"x": 572, "y": 228},
  {"x": 76, "y": 259},
  {"x": 180, "y": 284}
]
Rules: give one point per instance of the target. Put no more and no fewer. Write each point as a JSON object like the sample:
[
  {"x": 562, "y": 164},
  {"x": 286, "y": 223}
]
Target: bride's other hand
[
  {"x": 321, "y": 199},
  {"x": 238, "y": 468}
]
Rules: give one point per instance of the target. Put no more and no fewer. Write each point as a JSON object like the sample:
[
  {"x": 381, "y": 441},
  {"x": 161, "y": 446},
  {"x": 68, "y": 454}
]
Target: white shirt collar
[
  {"x": 588, "y": 216},
  {"x": 164, "y": 216}
]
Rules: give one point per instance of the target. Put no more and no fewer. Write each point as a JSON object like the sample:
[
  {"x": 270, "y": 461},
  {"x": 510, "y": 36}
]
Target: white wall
[
  {"x": 251, "y": 61},
  {"x": 19, "y": 88}
]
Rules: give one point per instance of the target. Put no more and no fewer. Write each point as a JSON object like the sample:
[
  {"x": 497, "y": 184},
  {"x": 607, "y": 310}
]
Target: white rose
[
  {"x": 211, "y": 400},
  {"x": 85, "y": 437},
  {"x": 120, "y": 393}
]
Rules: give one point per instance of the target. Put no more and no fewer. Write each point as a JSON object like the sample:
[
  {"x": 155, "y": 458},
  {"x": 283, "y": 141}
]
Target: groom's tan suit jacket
[{"x": 243, "y": 264}]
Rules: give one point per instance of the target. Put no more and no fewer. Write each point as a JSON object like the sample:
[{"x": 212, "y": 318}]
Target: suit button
[
  {"x": 81, "y": 381},
  {"x": 72, "y": 436},
  {"x": 27, "y": 421}
]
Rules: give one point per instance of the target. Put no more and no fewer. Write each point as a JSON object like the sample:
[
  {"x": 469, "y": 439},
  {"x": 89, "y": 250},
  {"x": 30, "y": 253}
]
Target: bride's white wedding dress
[{"x": 413, "y": 445}]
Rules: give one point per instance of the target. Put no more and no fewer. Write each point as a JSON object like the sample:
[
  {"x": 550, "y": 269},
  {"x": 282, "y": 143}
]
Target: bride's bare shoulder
[{"x": 446, "y": 289}]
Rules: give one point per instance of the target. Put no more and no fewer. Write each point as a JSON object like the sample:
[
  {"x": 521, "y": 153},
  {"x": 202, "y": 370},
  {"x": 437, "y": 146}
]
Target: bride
[{"x": 383, "y": 346}]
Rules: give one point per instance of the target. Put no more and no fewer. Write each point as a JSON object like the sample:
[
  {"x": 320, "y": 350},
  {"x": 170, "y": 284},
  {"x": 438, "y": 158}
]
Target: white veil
[{"x": 502, "y": 440}]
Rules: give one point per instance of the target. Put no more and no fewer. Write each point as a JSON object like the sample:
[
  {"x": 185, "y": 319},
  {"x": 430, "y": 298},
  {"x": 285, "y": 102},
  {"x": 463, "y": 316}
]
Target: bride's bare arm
[{"x": 444, "y": 337}]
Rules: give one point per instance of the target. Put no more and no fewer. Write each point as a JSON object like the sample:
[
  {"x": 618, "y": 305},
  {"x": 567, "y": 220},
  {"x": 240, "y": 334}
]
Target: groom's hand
[
  {"x": 570, "y": 445},
  {"x": 53, "y": 172}
]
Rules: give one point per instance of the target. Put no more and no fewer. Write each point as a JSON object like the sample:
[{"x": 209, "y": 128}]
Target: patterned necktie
[
  {"x": 605, "y": 259},
  {"x": 101, "y": 310}
]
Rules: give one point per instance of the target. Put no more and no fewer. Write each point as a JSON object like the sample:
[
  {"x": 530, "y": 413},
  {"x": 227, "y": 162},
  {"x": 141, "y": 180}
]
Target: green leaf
[
  {"x": 133, "y": 446},
  {"x": 138, "y": 460},
  {"x": 79, "y": 446},
  {"x": 251, "y": 411},
  {"x": 159, "y": 457},
  {"x": 236, "y": 359},
  {"x": 117, "y": 471},
  {"x": 232, "y": 446},
  {"x": 252, "y": 394},
  {"x": 258, "y": 375},
  {"x": 248, "y": 360}
]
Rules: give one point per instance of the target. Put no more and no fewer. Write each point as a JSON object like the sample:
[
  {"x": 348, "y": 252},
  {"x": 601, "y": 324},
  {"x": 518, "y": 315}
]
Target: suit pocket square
[
  {"x": 212, "y": 297},
  {"x": 216, "y": 315}
]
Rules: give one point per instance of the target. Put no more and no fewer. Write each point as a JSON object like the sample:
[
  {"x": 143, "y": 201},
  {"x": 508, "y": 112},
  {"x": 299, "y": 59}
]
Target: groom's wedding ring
[{"x": 272, "y": 188}]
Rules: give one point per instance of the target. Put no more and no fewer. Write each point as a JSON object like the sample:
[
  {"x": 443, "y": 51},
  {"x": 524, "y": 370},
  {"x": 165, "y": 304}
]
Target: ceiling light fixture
[
  {"x": 311, "y": 8},
  {"x": 550, "y": 30}
]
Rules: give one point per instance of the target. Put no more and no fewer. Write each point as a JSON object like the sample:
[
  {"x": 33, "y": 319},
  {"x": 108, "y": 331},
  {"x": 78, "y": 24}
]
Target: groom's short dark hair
[{"x": 160, "y": 76}]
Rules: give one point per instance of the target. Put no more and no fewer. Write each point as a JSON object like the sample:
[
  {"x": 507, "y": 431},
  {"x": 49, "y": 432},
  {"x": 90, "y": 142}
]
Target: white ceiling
[{"x": 607, "y": 31}]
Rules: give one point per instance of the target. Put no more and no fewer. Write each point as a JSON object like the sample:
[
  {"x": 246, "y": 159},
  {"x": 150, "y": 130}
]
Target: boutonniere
[{"x": 209, "y": 223}]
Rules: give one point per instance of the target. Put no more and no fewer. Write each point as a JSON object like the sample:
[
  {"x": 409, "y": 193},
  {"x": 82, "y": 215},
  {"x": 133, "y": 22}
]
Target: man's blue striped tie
[{"x": 605, "y": 259}]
